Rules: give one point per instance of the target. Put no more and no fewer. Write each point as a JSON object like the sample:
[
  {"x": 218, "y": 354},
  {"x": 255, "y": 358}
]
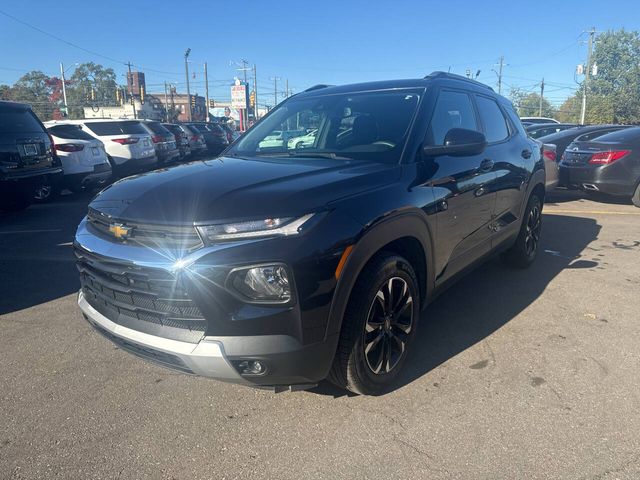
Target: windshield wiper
[{"x": 330, "y": 155}]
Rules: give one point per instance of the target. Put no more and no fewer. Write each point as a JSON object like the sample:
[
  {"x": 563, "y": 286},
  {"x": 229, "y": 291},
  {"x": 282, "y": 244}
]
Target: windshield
[{"x": 360, "y": 126}]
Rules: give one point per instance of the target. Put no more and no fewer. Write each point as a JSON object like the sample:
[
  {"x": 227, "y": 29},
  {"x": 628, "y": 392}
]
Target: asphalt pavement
[{"x": 514, "y": 374}]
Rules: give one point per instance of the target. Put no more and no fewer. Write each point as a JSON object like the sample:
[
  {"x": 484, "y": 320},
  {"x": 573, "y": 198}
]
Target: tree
[
  {"x": 33, "y": 88},
  {"x": 613, "y": 94},
  {"x": 528, "y": 104},
  {"x": 569, "y": 111},
  {"x": 90, "y": 84}
]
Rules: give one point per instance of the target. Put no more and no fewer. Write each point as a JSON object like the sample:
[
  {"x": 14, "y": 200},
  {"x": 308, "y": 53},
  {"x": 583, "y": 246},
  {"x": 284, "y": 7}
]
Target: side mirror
[{"x": 458, "y": 142}]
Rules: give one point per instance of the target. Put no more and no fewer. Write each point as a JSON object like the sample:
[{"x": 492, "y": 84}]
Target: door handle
[
  {"x": 526, "y": 153},
  {"x": 486, "y": 165}
]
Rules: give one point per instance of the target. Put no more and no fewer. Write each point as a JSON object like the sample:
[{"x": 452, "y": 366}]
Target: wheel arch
[{"x": 407, "y": 235}]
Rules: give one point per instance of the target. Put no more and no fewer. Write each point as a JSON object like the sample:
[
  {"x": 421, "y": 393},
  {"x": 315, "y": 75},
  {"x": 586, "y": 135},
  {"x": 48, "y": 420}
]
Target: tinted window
[
  {"x": 453, "y": 110},
  {"x": 18, "y": 120},
  {"x": 495, "y": 125},
  {"x": 515, "y": 119},
  {"x": 626, "y": 135},
  {"x": 116, "y": 128},
  {"x": 69, "y": 132},
  {"x": 157, "y": 128},
  {"x": 595, "y": 134}
]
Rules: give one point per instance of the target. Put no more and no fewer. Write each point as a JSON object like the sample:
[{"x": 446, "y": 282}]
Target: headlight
[
  {"x": 262, "y": 283},
  {"x": 268, "y": 227}
]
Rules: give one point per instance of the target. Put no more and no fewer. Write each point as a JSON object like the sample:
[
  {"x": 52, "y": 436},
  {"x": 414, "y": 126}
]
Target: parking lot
[{"x": 515, "y": 374}]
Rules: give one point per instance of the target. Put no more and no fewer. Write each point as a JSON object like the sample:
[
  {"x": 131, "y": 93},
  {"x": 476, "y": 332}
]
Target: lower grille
[
  {"x": 145, "y": 299},
  {"x": 156, "y": 356}
]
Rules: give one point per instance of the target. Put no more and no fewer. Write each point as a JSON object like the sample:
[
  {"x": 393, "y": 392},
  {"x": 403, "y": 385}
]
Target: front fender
[{"x": 373, "y": 239}]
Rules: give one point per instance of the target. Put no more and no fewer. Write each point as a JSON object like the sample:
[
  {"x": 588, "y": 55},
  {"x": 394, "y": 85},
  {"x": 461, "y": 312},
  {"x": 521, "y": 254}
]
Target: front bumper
[{"x": 205, "y": 358}]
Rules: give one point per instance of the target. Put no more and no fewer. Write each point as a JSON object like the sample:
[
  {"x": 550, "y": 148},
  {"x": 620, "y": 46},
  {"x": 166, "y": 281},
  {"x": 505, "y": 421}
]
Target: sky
[{"x": 306, "y": 43}]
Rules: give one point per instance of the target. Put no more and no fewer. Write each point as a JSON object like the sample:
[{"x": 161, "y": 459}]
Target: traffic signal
[
  {"x": 193, "y": 101},
  {"x": 212, "y": 103},
  {"x": 252, "y": 98},
  {"x": 141, "y": 95}
]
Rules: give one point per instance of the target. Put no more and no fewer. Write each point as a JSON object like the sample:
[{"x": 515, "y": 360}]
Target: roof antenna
[{"x": 449, "y": 71}]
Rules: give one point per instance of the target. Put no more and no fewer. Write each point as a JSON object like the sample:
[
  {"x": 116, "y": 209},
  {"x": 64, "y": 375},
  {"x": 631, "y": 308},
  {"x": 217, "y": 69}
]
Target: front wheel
[
  {"x": 524, "y": 251},
  {"x": 379, "y": 324}
]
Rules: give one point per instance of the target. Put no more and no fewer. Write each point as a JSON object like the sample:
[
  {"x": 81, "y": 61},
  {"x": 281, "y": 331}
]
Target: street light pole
[
  {"x": 64, "y": 91},
  {"x": 592, "y": 32},
  {"x": 186, "y": 71},
  {"x": 206, "y": 91}
]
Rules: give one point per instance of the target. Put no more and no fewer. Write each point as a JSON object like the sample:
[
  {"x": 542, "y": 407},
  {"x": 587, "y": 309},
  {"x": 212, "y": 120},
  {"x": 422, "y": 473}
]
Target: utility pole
[
  {"x": 275, "y": 90},
  {"x": 245, "y": 111},
  {"x": 64, "y": 91},
  {"x": 592, "y": 33},
  {"x": 255, "y": 93},
  {"x": 286, "y": 88},
  {"x": 206, "y": 91},
  {"x": 166, "y": 103},
  {"x": 541, "y": 98},
  {"x": 130, "y": 85},
  {"x": 500, "y": 75},
  {"x": 186, "y": 71}
]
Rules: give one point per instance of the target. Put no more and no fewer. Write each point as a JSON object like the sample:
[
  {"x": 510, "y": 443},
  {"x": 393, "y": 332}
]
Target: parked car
[
  {"x": 580, "y": 133},
  {"x": 279, "y": 268},
  {"x": 537, "y": 131},
  {"x": 27, "y": 156},
  {"x": 84, "y": 161},
  {"x": 164, "y": 142},
  {"x": 196, "y": 140},
  {"x": 214, "y": 136},
  {"x": 180, "y": 136},
  {"x": 128, "y": 144},
  {"x": 608, "y": 164},
  {"x": 551, "y": 167},
  {"x": 537, "y": 120},
  {"x": 304, "y": 140}
]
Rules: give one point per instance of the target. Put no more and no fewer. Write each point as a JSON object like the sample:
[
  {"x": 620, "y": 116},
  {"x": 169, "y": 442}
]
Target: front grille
[
  {"x": 146, "y": 299},
  {"x": 183, "y": 238}
]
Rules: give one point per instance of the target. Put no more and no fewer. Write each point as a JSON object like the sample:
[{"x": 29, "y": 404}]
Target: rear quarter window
[{"x": 17, "y": 120}]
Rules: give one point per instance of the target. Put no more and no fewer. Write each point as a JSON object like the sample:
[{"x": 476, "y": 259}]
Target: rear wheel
[
  {"x": 524, "y": 251},
  {"x": 378, "y": 327},
  {"x": 636, "y": 196},
  {"x": 46, "y": 192}
]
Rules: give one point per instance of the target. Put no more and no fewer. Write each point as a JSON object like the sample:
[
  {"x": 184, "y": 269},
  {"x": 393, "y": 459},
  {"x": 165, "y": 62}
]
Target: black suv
[
  {"x": 27, "y": 156},
  {"x": 284, "y": 262}
]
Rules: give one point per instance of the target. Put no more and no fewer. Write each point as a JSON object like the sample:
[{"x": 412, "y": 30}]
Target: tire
[
  {"x": 46, "y": 192},
  {"x": 636, "y": 197},
  {"x": 525, "y": 249},
  {"x": 373, "y": 346}
]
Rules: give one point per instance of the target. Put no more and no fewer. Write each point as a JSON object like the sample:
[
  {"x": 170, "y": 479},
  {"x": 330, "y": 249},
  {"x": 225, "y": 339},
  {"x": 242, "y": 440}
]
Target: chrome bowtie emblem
[{"x": 119, "y": 231}]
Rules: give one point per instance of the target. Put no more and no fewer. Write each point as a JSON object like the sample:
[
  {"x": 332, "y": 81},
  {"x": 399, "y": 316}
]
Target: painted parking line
[{"x": 587, "y": 212}]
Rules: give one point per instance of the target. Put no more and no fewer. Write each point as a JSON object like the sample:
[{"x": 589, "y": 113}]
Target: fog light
[
  {"x": 252, "y": 367},
  {"x": 268, "y": 283}
]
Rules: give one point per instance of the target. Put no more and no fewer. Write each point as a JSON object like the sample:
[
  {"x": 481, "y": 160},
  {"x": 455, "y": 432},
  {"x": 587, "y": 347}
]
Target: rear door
[
  {"x": 462, "y": 186},
  {"x": 508, "y": 149}
]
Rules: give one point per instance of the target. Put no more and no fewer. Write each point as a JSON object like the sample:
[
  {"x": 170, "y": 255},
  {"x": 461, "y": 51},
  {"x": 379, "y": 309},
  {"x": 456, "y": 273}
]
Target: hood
[{"x": 236, "y": 188}]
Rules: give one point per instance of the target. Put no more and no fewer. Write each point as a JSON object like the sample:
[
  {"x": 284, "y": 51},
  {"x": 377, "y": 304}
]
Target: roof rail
[
  {"x": 453, "y": 76},
  {"x": 317, "y": 87}
]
